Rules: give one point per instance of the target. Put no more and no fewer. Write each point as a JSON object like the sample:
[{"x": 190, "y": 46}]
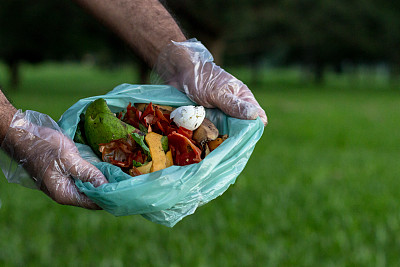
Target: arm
[
  {"x": 7, "y": 112},
  {"x": 145, "y": 25},
  {"x": 148, "y": 28}
]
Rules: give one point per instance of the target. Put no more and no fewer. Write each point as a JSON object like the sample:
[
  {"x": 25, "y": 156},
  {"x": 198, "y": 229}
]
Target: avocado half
[{"x": 102, "y": 126}]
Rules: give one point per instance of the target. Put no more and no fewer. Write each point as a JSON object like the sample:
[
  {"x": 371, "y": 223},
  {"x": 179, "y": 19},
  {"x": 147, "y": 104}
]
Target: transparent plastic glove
[
  {"x": 50, "y": 157},
  {"x": 189, "y": 67}
]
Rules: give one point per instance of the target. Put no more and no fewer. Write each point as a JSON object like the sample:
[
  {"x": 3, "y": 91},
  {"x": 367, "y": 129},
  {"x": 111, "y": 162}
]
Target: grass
[
  {"x": 51, "y": 88},
  {"x": 321, "y": 188}
]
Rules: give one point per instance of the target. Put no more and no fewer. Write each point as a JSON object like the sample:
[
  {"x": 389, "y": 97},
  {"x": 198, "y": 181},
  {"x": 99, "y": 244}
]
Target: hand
[
  {"x": 189, "y": 67},
  {"x": 51, "y": 158}
]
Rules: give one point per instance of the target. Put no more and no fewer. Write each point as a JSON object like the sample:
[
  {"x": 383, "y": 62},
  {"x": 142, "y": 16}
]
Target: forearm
[
  {"x": 7, "y": 112},
  {"x": 145, "y": 25}
]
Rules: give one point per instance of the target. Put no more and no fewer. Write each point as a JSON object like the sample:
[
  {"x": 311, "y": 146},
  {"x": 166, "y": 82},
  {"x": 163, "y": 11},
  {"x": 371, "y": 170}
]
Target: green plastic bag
[{"x": 165, "y": 196}]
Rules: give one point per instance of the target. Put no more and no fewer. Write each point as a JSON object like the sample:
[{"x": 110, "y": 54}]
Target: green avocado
[{"x": 102, "y": 126}]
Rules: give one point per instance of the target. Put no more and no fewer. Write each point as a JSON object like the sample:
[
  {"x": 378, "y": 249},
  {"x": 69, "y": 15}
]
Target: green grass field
[{"x": 322, "y": 187}]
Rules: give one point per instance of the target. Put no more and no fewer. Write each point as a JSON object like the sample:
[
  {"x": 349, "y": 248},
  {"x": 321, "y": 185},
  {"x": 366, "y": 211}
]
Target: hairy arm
[
  {"x": 7, "y": 112},
  {"x": 145, "y": 25},
  {"x": 148, "y": 28}
]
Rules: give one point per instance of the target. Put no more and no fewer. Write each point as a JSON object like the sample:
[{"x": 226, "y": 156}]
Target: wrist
[
  {"x": 176, "y": 57},
  {"x": 7, "y": 112}
]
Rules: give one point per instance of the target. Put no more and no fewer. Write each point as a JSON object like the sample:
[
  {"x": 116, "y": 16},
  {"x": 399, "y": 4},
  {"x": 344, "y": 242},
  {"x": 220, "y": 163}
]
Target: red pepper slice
[
  {"x": 184, "y": 152},
  {"x": 160, "y": 127},
  {"x": 132, "y": 116}
]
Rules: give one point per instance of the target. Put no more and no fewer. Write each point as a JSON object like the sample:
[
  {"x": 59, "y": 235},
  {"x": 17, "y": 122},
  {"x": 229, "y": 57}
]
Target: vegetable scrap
[{"x": 148, "y": 137}]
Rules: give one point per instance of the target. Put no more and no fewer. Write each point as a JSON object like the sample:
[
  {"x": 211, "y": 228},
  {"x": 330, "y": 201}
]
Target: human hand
[
  {"x": 50, "y": 157},
  {"x": 189, "y": 67}
]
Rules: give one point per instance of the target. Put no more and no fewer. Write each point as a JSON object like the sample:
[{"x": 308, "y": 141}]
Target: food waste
[{"x": 147, "y": 137}]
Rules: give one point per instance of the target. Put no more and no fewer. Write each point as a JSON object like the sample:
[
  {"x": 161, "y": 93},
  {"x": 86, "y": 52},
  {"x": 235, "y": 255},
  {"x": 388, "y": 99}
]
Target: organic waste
[{"x": 148, "y": 137}]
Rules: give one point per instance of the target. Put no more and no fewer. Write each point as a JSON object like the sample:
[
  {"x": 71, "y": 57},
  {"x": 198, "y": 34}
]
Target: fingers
[
  {"x": 263, "y": 116},
  {"x": 235, "y": 107},
  {"x": 236, "y": 100},
  {"x": 77, "y": 167},
  {"x": 63, "y": 190},
  {"x": 86, "y": 172},
  {"x": 244, "y": 110},
  {"x": 260, "y": 112},
  {"x": 58, "y": 181},
  {"x": 246, "y": 95}
]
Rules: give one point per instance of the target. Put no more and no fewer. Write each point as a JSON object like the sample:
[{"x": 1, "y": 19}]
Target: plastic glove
[
  {"x": 189, "y": 67},
  {"x": 50, "y": 157}
]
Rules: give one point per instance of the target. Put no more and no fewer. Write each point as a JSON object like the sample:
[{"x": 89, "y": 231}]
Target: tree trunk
[
  {"x": 338, "y": 68},
  {"x": 319, "y": 72},
  {"x": 395, "y": 70},
  {"x": 255, "y": 79},
  {"x": 13, "y": 67}
]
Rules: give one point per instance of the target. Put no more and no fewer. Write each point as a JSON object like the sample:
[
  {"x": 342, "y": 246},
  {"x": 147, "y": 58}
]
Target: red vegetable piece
[
  {"x": 122, "y": 153},
  {"x": 184, "y": 152},
  {"x": 149, "y": 119},
  {"x": 159, "y": 125},
  {"x": 160, "y": 115},
  {"x": 121, "y": 164},
  {"x": 169, "y": 129},
  {"x": 132, "y": 116},
  {"x": 134, "y": 171},
  {"x": 185, "y": 132},
  {"x": 167, "y": 116},
  {"x": 138, "y": 156},
  {"x": 149, "y": 110}
]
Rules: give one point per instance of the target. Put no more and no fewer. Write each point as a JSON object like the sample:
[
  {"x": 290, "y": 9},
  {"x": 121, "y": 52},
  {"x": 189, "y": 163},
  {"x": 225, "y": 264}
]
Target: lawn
[{"x": 321, "y": 188}]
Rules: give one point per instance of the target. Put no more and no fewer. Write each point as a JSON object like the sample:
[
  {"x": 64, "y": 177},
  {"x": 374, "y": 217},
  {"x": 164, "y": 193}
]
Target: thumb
[
  {"x": 63, "y": 190},
  {"x": 86, "y": 172}
]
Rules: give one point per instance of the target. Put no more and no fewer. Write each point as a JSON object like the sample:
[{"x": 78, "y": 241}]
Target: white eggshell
[{"x": 189, "y": 117}]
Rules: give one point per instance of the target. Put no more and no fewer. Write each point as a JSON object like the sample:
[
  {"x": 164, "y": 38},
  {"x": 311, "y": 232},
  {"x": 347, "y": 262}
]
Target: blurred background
[{"x": 322, "y": 186}]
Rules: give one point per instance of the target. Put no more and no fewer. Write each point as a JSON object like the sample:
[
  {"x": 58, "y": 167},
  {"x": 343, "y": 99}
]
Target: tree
[
  {"x": 50, "y": 29},
  {"x": 315, "y": 34}
]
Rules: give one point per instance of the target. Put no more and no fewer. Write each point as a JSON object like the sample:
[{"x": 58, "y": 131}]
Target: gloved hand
[
  {"x": 50, "y": 157},
  {"x": 189, "y": 67}
]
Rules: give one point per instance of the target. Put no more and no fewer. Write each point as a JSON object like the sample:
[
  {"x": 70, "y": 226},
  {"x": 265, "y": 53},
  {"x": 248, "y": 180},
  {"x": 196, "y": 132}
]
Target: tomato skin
[
  {"x": 122, "y": 152},
  {"x": 149, "y": 110},
  {"x": 185, "y": 132},
  {"x": 184, "y": 152},
  {"x": 132, "y": 116},
  {"x": 161, "y": 116}
]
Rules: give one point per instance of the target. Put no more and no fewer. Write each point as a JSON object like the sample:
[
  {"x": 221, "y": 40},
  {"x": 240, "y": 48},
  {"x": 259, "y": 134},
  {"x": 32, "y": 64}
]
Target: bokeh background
[{"x": 322, "y": 186}]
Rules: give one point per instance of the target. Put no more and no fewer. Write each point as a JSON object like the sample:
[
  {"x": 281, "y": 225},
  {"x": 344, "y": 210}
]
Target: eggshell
[{"x": 189, "y": 117}]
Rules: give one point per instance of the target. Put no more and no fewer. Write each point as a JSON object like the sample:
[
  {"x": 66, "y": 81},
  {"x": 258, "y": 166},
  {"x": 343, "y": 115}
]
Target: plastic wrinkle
[
  {"x": 43, "y": 154},
  {"x": 190, "y": 68}
]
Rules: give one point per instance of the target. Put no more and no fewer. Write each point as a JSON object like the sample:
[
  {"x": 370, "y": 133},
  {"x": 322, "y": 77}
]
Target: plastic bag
[{"x": 166, "y": 196}]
